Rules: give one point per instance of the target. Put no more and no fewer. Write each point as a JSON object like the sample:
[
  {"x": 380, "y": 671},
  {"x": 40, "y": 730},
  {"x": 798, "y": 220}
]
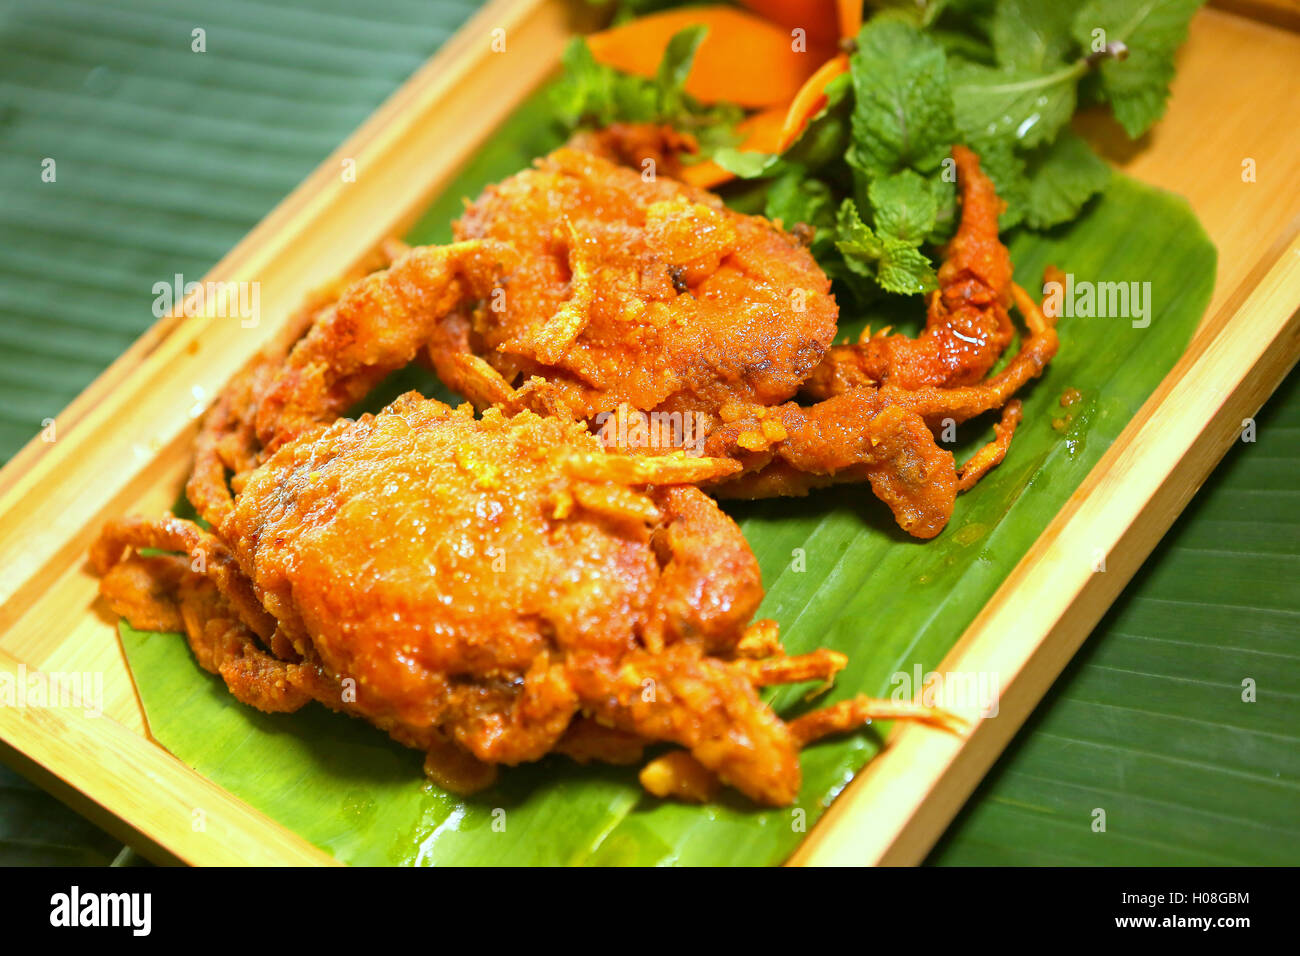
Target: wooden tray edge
[{"x": 169, "y": 811}]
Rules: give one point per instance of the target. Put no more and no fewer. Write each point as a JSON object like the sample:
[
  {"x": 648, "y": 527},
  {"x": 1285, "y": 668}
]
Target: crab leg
[
  {"x": 761, "y": 639},
  {"x": 991, "y": 455},
  {"x": 455, "y": 769},
  {"x": 672, "y": 468},
  {"x": 588, "y": 741},
  {"x": 227, "y": 442},
  {"x": 524, "y": 725},
  {"x": 967, "y": 325},
  {"x": 855, "y": 712},
  {"x": 377, "y": 326},
  {"x": 466, "y": 374},
  {"x": 143, "y": 588},
  {"x": 701, "y": 703},
  {"x": 965, "y": 402},
  {"x": 347, "y": 339},
  {"x": 680, "y": 774},
  {"x": 822, "y": 664},
  {"x": 709, "y": 582},
  {"x": 207, "y": 551},
  {"x": 848, "y": 437},
  {"x": 883, "y": 434},
  {"x": 224, "y": 645},
  {"x": 213, "y": 605}
]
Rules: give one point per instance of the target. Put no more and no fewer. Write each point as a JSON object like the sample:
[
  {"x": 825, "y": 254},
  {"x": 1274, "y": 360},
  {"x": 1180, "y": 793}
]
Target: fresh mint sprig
[
  {"x": 1009, "y": 90},
  {"x": 872, "y": 173}
]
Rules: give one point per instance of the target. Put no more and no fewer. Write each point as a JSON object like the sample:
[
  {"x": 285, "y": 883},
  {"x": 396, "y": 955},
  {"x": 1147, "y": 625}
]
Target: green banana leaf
[
  {"x": 34, "y": 831},
  {"x": 1149, "y": 723},
  {"x": 839, "y": 574}
]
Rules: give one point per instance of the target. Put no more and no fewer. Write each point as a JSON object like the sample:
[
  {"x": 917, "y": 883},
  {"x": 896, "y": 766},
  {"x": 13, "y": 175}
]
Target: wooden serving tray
[{"x": 124, "y": 445}]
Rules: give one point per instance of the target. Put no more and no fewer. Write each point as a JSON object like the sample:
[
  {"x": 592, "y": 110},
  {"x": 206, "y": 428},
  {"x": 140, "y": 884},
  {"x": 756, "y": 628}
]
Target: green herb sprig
[
  {"x": 873, "y": 172},
  {"x": 592, "y": 94}
]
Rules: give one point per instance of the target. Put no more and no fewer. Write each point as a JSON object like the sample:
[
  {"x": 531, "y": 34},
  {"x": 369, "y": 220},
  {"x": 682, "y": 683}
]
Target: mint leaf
[
  {"x": 860, "y": 246},
  {"x": 795, "y": 197},
  {"x": 1003, "y": 164},
  {"x": 1032, "y": 34},
  {"x": 963, "y": 45},
  {"x": 1019, "y": 104},
  {"x": 902, "y": 115},
  {"x": 897, "y": 265},
  {"x": 1060, "y": 179},
  {"x": 906, "y": 270},
  {"x": 904, "y": 206},
  {"x": 1137, "y": 86},
  {"x": 675, "y": 67},
  {"x": 584, "y": 88}
]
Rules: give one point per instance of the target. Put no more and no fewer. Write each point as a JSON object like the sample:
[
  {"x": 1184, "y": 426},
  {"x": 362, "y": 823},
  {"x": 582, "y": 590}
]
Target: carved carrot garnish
[{"x": 757, "y": 60}]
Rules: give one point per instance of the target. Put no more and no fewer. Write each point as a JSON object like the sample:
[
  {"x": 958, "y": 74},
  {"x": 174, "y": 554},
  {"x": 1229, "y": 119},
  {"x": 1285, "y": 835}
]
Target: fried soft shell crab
[
  {"x": 621, "y": 291},
  {"x": 500, "y": 588},
  {"x": 496, "y": 589},
  {"x": 580, "y": 289}
]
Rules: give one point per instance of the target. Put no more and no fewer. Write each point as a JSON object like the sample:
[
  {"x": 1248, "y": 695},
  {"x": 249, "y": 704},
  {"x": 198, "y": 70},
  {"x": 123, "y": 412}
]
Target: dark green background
[{"x": 166, "y": 157}]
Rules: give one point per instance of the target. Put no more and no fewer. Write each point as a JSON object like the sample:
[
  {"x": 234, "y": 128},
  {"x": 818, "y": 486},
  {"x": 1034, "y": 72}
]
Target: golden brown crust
[
  {"x": 144, "y": 589},
  {"x": 453, "y": 580},
  {"x": 490, "y": 590},
  {"x": 640, "y": 290},
  {"x": 582, "y": 289}
]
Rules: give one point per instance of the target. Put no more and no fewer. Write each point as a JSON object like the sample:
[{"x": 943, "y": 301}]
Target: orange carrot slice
[
  {"x": 809, "y": 101},
  {"x": 743, "y": 59},
  {"x": 849, "y": 15},
  {"x": 759, "y": 133},
  {"x": 706, "y": 175},
  {"x": 819, "y": 18}
]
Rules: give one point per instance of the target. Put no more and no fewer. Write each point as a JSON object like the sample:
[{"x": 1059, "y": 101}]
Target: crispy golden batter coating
[
  {"x": 487, "y": 590},
  {"x": 441, "y": 561},
  {"x": 585, "y": 290},
  {"x": 638, "y": 290},
  {"x": 651, "y": 295},
  {"x": 492, "y": 590}
]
